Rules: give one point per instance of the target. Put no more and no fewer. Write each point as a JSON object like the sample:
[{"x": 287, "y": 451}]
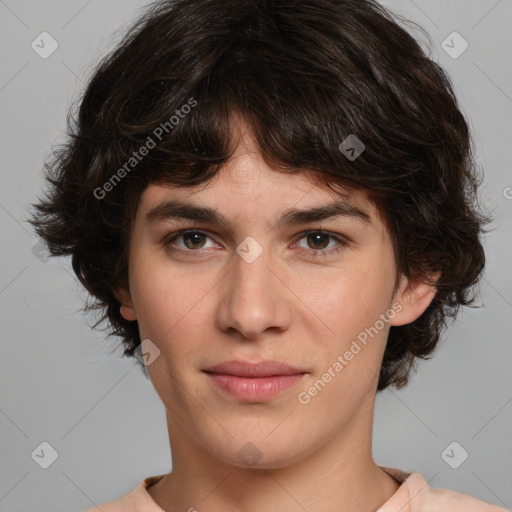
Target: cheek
[
  {"x": 169, "y": 307},
  {"x": 157, "y": 308},
  {"x": 171, "y": 304},
  {"x": 348, "y": 298}
]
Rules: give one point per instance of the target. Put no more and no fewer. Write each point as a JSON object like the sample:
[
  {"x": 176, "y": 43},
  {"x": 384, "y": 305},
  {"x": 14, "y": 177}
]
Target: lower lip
[{"x": 254, "y": 389}]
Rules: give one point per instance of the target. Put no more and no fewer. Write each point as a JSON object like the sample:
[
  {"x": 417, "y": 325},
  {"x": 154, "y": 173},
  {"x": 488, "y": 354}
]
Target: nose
[{"x": 254, "y": 298}]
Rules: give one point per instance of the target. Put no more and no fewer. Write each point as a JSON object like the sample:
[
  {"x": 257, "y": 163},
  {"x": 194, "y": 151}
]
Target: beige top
[{"x": 413, "y": 495}]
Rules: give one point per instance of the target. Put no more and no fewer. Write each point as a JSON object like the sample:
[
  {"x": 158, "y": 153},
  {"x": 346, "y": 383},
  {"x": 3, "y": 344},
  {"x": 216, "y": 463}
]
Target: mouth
[{"x": 254, "y": 382}]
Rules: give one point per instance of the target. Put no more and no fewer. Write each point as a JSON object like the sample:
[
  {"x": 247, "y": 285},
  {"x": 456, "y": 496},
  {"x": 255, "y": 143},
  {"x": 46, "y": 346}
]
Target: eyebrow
[{"x": 176, "y": 209}]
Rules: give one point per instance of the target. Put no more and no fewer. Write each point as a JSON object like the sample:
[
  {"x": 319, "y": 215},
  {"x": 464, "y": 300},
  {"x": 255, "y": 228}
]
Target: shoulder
[
  {"x": 111, "y": 506},
  {"x": 137, "y": 500},
  {"x": 424, "y": 498}
]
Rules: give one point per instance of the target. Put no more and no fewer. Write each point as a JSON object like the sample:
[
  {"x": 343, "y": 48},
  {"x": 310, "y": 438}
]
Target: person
[{"x": 274, "y": 206}]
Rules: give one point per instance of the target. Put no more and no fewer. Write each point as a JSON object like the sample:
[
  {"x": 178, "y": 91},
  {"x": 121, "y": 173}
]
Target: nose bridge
[
  {"x": 251, "y": 301},
  {"x": 251, "y": 266}
]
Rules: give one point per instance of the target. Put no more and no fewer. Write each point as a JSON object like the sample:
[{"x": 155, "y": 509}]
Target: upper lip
[{"x": 247, "y": 369}]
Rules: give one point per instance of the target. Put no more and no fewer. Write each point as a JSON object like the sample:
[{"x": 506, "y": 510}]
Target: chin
[{"x": 261, "y": 452}]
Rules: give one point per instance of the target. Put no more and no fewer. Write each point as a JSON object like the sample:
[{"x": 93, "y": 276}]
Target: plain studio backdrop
[{"x": 101, "y": 423}]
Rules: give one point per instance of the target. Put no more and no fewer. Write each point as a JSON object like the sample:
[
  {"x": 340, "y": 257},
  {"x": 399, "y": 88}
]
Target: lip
[
  {"x": 254, "y": 382},
  {"x": 246, "y": 369}
]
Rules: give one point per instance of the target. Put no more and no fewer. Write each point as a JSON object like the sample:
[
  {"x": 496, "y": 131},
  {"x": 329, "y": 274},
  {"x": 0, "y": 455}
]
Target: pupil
[
  {"x": 315, "y": 237},
  {"x": 194, "y": 238}
]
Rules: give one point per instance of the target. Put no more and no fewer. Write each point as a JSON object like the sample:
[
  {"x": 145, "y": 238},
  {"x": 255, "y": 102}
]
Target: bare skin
[{"x": 286, "y": 305}]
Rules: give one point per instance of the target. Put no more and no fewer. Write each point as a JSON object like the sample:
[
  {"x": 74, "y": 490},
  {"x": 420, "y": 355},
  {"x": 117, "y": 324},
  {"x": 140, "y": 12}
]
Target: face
[{"x": 316, "y": 295}]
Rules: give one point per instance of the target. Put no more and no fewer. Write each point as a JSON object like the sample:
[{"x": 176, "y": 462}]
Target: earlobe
[
  {"x": 128, "y": 313},
  {"x": 127, "y": 309},
  {"x": 414, "y": 297}
]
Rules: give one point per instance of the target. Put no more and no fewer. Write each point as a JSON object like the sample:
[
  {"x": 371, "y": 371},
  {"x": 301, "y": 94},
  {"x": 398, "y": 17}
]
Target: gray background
[{"x": 61, "y": 383}]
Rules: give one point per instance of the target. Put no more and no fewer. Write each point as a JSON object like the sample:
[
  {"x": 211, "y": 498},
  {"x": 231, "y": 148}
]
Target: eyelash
[{"x": 200, "y": 252}]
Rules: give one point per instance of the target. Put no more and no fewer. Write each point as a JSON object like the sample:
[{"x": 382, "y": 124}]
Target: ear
[
  {"x": 414, "y": 296},
  {"x": 122, "y": 294}
]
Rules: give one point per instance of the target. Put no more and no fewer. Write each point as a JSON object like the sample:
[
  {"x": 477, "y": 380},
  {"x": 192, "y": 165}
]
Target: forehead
[
  {"x": 216, "y": 206},
  {"x": 246, "y": 187}
]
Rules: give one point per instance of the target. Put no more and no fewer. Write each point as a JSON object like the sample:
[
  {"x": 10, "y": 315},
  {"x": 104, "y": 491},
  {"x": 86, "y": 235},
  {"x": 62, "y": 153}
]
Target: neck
[{"x": 340, "y": 475}]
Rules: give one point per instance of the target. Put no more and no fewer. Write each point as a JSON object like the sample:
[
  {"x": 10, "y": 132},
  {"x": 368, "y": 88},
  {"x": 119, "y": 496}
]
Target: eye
[
  {"x": 318, "y": 243},
  {"x": 194, "y": 241}
]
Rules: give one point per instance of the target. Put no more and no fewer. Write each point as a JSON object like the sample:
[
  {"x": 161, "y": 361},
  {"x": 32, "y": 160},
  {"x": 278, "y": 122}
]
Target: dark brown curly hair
[{"x": 304, "y": 75}]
